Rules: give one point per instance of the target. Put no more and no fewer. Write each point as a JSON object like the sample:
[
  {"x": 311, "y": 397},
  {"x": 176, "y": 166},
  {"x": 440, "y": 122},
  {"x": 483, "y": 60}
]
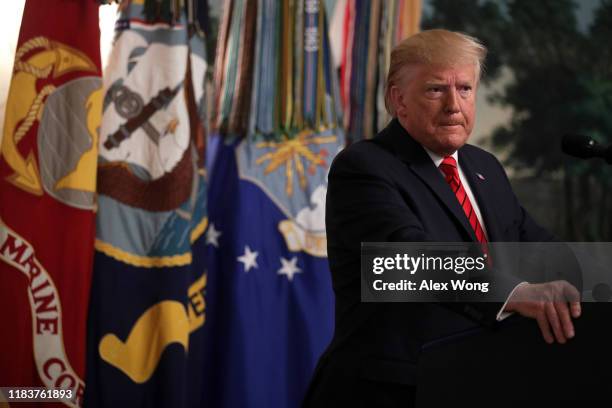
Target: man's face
[{"x": 436, "y": 105}]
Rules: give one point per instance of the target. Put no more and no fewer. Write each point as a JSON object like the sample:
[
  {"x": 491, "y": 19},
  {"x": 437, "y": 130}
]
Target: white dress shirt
[{"x": 437, "y": 160}]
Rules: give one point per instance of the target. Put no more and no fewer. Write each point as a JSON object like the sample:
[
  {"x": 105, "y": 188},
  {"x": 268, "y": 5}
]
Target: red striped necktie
[{"x": 449, "y": 168}]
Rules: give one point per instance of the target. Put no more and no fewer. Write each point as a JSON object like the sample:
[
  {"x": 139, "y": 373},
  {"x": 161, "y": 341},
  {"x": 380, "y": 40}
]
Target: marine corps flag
[
  {"x": 147, "y": 305},
  {"x": 47, "y": 185}
]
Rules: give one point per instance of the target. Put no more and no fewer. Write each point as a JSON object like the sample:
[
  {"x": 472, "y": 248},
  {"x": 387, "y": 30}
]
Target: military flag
[
  {"x": 269, "y": 296},
  {"x": 47, "y": 187},
  {"x": 148, "y": 292},
  {"x": 365, "y": 34}
]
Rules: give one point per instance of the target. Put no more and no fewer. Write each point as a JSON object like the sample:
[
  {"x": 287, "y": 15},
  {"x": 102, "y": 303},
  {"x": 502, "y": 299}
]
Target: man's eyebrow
[
  {"x": 436, "y": 83},
  {"x": 444, "y": 84}
]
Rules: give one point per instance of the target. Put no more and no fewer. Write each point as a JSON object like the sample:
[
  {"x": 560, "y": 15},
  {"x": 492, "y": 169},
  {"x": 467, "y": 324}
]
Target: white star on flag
[
  {"x": 289, "y": 267},
  {"x": 249, "y": 259},
  {"x": 212, "y": 236}
]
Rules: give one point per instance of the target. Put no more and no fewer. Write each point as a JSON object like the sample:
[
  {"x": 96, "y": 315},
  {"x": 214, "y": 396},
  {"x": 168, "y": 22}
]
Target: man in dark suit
[{"x": 418, "y": 180}]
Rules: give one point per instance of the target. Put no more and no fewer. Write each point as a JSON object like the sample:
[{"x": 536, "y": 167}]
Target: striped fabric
[
  {"x": 449, "y": 168},
  {"x": 369, "y": 30},
  {"x": 274, "y": 73}
]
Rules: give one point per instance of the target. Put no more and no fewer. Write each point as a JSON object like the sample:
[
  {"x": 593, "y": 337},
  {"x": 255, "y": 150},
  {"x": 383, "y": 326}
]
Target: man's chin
[{"x": 451, "y": 143}]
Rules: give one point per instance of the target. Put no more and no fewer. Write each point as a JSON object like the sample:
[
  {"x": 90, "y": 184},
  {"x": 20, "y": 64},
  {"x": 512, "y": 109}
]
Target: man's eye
[
  {"x": 434, "y": 89},
  {"x": 465, "y": 89}
]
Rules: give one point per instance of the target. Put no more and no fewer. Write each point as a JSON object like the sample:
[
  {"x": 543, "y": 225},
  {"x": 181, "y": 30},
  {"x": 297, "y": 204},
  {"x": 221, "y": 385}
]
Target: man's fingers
[
  {"x": 563, "y": 312},
  {"x": 576, "y": 309},
  {"x": 553, "y": 320},
  {"x": 545, "y": 328},
  {"x": 573, "y": 297},
  {"x": 556, "y": 305},
  {"x": 570, "y": 292}
]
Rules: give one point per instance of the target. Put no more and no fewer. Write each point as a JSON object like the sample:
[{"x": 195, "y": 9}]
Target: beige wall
[{"x": 10, "y": 19}]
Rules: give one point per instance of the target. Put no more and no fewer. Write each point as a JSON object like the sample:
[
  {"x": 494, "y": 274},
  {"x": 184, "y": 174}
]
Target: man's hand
[{"x": 550, "y": 304}]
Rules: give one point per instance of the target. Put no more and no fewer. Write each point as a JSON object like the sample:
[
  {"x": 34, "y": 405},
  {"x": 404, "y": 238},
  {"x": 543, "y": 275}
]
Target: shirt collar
[{"x": 437, "y": 159}]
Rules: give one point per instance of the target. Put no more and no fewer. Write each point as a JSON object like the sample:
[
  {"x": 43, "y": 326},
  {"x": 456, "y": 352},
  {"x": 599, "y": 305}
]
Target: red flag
[{"x": 47, "y": 196}]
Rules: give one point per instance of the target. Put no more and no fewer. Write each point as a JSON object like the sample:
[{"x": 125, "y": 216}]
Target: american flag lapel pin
[{"x": 480, "y": 176}]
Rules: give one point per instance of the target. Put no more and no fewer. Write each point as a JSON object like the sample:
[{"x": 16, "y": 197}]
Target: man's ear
[{"x": 397, "y": 99}]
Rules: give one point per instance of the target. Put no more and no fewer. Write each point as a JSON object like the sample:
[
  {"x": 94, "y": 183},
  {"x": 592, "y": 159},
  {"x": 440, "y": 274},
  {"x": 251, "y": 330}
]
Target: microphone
[{"x": 584, "y": 147}]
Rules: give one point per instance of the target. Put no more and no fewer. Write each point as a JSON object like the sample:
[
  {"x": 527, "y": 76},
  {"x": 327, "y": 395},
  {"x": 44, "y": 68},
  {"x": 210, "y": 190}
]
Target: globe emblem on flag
[{"x": 45, "y": 93}]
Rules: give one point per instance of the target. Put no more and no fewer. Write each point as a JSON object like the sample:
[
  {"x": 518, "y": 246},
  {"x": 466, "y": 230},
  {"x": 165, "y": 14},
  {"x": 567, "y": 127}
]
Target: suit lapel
[
  {"x": 408, "y": 150},
  {"x": 481, "y": 188},
  {"x": 429, "y": 173}
]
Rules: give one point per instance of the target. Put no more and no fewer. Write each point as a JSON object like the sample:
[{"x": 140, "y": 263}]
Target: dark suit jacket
[{"x": 388, "y": 189}]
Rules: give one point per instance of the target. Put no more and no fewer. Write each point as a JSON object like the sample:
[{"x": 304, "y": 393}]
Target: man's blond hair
[{"x": 432, "y": 47}]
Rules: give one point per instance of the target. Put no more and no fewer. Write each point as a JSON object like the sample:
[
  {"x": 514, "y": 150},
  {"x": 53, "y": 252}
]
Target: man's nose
[{"x": 452, "y": 101}]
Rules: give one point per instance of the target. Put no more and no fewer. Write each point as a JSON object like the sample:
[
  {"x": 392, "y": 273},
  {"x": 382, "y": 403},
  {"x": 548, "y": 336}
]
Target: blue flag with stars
[{"x": 269, "y": 298}]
